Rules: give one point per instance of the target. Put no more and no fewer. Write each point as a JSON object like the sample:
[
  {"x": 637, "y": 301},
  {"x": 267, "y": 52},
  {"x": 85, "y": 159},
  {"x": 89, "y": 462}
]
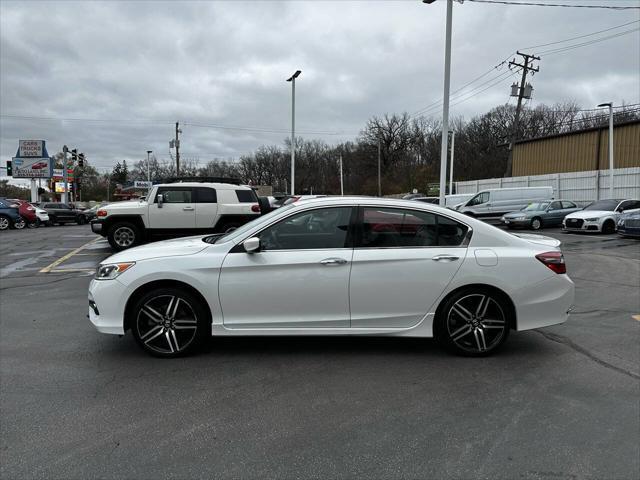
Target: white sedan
[{"x": 336, "y": 266}]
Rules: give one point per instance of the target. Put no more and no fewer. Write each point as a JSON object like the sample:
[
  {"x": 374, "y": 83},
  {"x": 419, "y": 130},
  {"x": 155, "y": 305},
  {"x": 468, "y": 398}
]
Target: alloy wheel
[
  {"x": 4, "y": 223},
  {"x": 19, "y": 224},
  {"x": 124, "y": 237},
  {"x": 476, "y": 323},
  {"x": 536, "y": 224},
  {"x": 167, "y": 324}
]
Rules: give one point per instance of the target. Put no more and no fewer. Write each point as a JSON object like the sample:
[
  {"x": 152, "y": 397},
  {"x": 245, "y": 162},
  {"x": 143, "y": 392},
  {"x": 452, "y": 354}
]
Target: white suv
[{"x": 174, "y": 210}]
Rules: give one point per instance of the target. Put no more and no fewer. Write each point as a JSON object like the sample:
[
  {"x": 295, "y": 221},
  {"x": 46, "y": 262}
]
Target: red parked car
[{"x": 26, "y": 211}]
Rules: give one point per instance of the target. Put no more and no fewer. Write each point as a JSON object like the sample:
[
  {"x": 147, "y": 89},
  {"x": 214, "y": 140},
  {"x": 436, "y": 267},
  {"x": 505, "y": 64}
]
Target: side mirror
[
  {"x": 160, "y": 200},
  {"x": 251, "y": 245}
]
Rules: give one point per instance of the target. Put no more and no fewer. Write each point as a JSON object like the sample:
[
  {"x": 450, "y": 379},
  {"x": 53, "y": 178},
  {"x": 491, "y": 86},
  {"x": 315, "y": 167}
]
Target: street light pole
[
  {"x": 453, "y": 142},
  {"x": 148, "y": 167},
  {"x": 65, "y": 174},
  {"x": 292, "y": 79},
  {"x": 445, "y": 107},
  {"x": 610, "y": 105}
]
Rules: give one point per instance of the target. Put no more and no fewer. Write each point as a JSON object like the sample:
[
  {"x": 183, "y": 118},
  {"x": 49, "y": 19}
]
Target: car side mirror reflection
[{"x": 252, "y": 245}]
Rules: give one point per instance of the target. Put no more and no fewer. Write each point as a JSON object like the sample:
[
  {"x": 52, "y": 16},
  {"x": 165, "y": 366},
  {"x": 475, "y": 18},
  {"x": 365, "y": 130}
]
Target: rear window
[
  {"x": 247, "y": 196},
  {"x": 206, "y": 195}
]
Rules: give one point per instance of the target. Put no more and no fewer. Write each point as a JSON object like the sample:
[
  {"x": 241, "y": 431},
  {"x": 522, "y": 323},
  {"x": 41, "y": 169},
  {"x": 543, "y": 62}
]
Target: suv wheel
[
  {"x": 473, "y": 322},
  {"x": 81, "y": 220},
  {"x": 4, "y": 222},
  {"x": 169, "y": 322},
  {"x": 123, "y": 235}
]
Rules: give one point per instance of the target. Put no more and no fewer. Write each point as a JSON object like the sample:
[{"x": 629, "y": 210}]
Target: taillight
[
  {"x": 101, "y": 213},
  {"x": 255, "y": 208},
  {"x": 553, "y": 260}
]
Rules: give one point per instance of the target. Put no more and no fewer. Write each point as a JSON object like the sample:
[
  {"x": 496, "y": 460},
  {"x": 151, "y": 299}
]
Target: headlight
[
  {"x": 110, "y": 271},
  {"x": 521, "y": 217},
  {"x": 591, "y": 219}
]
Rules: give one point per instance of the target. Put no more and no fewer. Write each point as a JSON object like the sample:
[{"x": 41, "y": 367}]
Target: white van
[{"x": 497, "y": 201}]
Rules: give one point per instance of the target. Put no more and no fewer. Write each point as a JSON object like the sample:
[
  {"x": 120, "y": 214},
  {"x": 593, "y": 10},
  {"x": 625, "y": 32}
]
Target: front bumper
[
  {"x": 584, "y": 227},
  {"x": 511, "y": 222},
  {"x": 106, "y": 306},
  {"x": 96, "y": 226}
]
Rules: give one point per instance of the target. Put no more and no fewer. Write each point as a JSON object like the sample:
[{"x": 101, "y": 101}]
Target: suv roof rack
[{"x": 234, "y": 181}]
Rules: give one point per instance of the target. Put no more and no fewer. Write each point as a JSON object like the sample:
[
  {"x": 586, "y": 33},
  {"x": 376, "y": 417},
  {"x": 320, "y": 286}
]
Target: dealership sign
[{"x": 32, "y": 160}]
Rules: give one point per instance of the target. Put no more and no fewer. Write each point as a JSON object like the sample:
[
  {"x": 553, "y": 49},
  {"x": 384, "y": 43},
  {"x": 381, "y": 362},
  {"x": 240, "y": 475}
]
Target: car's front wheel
[
  {"x": 608, "y": 226},
  {"x": 4, "y": 222},
  {"x": 536, "y": 223},
  {"x": 123, "y": 235},
  {"x": 169, "y": 322},
  {"x": 473, "y": 322},
  {"x": 81, "y": 220}
]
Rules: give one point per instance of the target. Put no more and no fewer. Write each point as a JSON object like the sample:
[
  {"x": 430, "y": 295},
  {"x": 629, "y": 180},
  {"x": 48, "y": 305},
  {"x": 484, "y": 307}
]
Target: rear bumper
[
  {"x": 96, "y": 227},
  {"x": 545, "y": 303}
]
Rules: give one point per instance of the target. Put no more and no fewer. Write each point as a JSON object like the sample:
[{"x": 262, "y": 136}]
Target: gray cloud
[{"x": 140, "y": 66}]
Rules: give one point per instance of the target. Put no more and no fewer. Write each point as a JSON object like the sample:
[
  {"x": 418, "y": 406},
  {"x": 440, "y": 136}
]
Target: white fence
[{"x": 576, "y": 186}]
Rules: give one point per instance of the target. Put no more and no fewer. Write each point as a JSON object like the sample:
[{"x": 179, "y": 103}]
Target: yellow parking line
[
  {"x": 66, "y": 257},
  {"x": 636, "y": 317}
]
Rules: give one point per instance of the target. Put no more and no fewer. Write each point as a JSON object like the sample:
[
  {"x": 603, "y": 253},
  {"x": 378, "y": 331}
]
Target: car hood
[
  {"x": 167, "y": 248},
  {"x": 520, "y": 213},
  {"x": 590, "y": 214},
  {"x": 538, "y": 239},
  {"x": 128, "y": 205}
]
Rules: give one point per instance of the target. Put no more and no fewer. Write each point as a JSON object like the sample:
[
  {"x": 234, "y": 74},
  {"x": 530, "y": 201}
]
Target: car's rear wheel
[
  {"x": 608, "y": 226},
  {"x": 19, "y": 224},
  {"x": 52, "y": 220},
  {"x": 169, "y": 322},
  {"x": 123, "y": 235},
  {"x": 536, "y": 223},
  {"x": 34, "y": 224},
  {"x": 473, "y": 322},
  {"x": 4, "y": 222}
]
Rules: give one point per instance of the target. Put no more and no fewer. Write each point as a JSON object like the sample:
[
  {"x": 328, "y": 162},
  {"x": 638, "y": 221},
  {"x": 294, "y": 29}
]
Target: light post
[
  {"x": 445, "y": 106},
  {"x": 292, "y": 79},
  {"x": 148, "y": 167},
  {"x": 453, "y": 142},
  {"x": 610, "y": 105}
]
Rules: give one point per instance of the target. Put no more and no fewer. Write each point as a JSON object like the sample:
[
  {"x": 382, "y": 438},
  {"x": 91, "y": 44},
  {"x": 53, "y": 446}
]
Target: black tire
[
  {"x": 536, "y": 223},
  {"x": 608, "y": 226},
  {"x": 157, "y": 330},
  {"x": 123, "y": 235},
  {"x": 5, "y": 222},
  {"x": 35, "y": 224},
  {"x": 52, "y": 220},
  {"x": 81, "y": 220},
  {"x": 19, "y": 224},
  {"x": 467, "y": 327}
]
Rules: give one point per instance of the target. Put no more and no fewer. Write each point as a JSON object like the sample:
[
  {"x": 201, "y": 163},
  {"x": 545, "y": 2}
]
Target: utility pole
[
  {"x": 292, "y": 79},
  {"x": 177, "y": 144},
  {"x": 341, "y": 182},
  {"x": 527, "y": 66},
  {"x": 379, "y": 179},
  {"x": 65, "y": 195},
  {"x": 453, "y": 142}
]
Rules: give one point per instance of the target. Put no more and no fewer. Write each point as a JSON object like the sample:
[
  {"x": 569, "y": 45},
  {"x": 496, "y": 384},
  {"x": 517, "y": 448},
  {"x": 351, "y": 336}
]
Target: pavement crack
[{"x": 586, "y": 353}]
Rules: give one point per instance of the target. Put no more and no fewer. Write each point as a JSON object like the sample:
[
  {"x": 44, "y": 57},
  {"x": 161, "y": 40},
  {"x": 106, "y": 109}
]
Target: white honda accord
[{"x": 337, "y": 266}]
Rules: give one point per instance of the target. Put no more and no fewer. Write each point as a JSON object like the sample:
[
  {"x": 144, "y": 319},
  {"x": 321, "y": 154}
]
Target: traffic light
[
  {"x": 81, "y": 160},
  {"x": 74, "y": 155},
  {"x": 9, "y": 168}
]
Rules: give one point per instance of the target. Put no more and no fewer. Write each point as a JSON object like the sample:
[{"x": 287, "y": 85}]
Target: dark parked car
[
  {"x": 540, "y": 214},
  {"x": 62, "y": 213},
  {"x": 629, "y": 224},
  {"x": 9, "y": 215}
]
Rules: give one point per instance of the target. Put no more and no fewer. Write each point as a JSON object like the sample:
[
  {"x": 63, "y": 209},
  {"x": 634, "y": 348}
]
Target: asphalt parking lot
[{"x": 556, "y": 403}]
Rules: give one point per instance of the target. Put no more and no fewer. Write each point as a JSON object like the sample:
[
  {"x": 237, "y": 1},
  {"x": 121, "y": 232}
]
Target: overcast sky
[{"x": 127, "y": 71}]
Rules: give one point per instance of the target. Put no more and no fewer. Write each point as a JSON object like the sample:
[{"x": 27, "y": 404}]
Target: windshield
[
  {"x": 605, "y": 205},
  {"x": 536, "y": 206},
  {"x": 238, "y": 232}
]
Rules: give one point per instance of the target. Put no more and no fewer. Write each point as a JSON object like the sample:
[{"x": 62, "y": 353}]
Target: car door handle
[
  {"x": 333, "y": 261},
  {"x": 445, "y": 258},
  {"x": 188, "y": 209}
]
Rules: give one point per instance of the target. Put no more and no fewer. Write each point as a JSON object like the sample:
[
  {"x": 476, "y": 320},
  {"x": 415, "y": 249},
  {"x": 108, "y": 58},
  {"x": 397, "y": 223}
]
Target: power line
[
  {"x": 584, "y": 44},
  {"x": 581, "y": 36},
  {"x": 564, "y": 5}
]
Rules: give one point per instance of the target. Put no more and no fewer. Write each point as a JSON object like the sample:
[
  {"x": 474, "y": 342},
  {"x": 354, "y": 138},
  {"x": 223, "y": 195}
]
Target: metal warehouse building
[{"x": 578, "y": 151}]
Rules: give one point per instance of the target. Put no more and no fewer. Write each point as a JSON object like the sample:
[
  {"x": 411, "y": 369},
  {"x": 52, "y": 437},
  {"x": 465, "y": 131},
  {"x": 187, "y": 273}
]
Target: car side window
[
  {"x": 175, "y": 195},
  {"x": 398, "y": 228},
  {"x": 630, "y": 205},
  {"x": 569, "y": 205},
  {"x": 206, "y": 195},
  {"x": 555, "y": 206},
  {"x": 321, "y": 228},
  {"x": 479, "y": 199}
]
